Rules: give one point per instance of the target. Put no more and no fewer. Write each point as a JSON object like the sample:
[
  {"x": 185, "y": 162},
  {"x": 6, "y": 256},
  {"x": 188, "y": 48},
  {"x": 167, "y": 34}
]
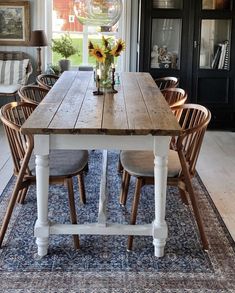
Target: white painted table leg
[
  {"x": 102, "y": 215},
  {"x": 161, "y": 148},
  {"x": 41, "y": 230}
]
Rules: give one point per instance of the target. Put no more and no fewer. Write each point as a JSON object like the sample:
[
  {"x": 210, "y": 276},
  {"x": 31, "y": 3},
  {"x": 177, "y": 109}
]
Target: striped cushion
[{"x": 13, "y": 71}]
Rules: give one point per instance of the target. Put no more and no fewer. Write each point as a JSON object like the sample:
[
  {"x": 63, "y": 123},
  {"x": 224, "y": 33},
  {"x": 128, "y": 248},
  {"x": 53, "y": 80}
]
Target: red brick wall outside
[{"x": 64, "y": 9}]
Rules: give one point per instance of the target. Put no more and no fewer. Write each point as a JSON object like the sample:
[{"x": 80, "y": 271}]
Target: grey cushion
[
  {"x": 64, "y": 162},
  {"x": 140, "y": 163}
]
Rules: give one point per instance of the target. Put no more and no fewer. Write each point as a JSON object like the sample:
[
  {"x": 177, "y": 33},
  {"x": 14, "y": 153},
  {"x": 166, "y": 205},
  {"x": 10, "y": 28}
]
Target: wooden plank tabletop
[{"x": 70, "y": 107}]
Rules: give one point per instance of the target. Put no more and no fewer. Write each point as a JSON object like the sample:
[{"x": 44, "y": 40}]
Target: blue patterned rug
[{"x": 102, "y": 264}]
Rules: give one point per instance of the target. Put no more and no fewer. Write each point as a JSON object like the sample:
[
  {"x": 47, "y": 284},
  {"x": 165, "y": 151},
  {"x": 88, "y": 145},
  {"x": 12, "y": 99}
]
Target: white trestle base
[
  {"x": 97, "y": 229},
  {"x": 103, "y": 194},
  {"x": 157, "y": 229}
]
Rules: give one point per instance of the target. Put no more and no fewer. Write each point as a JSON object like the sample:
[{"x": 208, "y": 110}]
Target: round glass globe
[{"x": 98, "y": 12}]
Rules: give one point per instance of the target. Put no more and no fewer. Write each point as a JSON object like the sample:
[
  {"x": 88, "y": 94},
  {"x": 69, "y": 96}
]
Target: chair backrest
[
  {"x": 167, "y": 82},
  {"x": 13, "y": 115},
  {"x": 194, "y": 120},
  {"x": 85, "y": 68},
  {"x": 174, "y": 96},
  {"x": 47, "y": 80},
  {"x": 32, "y": 94}
]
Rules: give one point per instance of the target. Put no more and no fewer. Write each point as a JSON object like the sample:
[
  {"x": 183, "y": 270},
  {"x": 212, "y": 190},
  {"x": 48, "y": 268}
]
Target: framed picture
[{"x": 14, "y": 23}]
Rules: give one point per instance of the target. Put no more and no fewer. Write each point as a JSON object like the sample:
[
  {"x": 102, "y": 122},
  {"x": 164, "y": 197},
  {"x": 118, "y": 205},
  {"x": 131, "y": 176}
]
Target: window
[
  {"x": 65, "y": 21},
  {"x": 43, "y": 10}
]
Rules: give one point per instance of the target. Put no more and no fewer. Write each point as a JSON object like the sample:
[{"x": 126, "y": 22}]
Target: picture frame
[{"x": 14, "y": 23}]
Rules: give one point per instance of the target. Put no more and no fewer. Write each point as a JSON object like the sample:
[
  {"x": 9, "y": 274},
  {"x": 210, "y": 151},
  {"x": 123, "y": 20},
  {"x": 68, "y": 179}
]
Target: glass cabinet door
[
  {"x": 215, "y": 43},
  {"x": 166, "y": 40},
  {"x": 216, "y": 4}
]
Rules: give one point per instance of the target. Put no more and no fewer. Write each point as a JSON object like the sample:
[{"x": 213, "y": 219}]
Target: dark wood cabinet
[{"x": 194, "y": 41}]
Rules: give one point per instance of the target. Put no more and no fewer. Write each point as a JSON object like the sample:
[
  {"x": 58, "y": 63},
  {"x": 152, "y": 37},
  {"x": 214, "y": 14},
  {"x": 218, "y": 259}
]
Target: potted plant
[{"x": 65, "y": 48}]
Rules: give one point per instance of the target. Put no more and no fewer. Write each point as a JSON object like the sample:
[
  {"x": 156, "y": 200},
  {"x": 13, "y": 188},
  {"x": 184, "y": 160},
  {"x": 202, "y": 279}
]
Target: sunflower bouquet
[{"x": 104, "y": 55}]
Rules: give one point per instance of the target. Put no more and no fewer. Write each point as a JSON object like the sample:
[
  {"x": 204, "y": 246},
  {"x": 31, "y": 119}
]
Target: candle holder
[
  {"x": 105, "y": 80},
  {"x": 98, "y": 92},
  {"x": 113, "y": 81}
]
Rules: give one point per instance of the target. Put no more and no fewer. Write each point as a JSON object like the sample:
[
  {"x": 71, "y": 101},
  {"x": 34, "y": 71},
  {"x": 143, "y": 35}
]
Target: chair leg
[
  {"x": 183, "y": 195},
  {"x": 19, "y": 196},
  {"x": 193, "y": 201},
  {"x": 120, "y": 167},
  {"x": 8, "y": 214},
  {"x": 139, "y": 184},
  {"x": 73, "y": 214},
  {"x": 124, "y": 188},
  {"x": 13, "y": 199},
  {"x": 23, "y": 193},
  {"x": 86, "y": 168},
  {"x": 81, "y": 188}
]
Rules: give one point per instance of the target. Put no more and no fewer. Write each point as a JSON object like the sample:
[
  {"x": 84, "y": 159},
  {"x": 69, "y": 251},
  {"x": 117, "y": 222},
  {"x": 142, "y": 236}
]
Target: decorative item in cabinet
[
  {"x": 166, "y": 40},
  {"x": 161, "y": 58},
  {"x": 221, "y": 56}
]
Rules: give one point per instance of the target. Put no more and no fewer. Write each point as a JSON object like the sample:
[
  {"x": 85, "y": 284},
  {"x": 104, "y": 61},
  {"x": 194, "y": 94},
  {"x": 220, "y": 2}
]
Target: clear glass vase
[{"x": 105, "y": 74}]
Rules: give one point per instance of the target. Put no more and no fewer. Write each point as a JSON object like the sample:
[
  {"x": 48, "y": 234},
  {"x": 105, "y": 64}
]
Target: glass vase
[{"x": 105, "y": 74}]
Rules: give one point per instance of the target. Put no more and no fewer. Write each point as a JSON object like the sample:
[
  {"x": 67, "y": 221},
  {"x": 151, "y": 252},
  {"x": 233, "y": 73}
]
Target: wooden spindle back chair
[
  {"x": 13, "y": 115},
  {"x": 167, "y": 82},
  {"x": 174, "y": 96},
  {"x": 47, "y": 80},
  {"x": 181, "y": 163},
  {"x": 32, "y": 94}
]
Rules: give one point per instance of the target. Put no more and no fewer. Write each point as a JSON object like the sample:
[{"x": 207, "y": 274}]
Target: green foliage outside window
[
  {"x": 77, "y": 58},
  {"x": 64, "y": 46}
]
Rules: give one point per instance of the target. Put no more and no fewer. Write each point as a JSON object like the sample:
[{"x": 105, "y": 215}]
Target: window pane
[
  {"x": 63, "y": 18},
  {"x": 77, "y": 41},
  {"x": 215, "y": 43},
  {"x": 216, "y": 4},
  {"x": 166, "y": 40},
  {"x": 97, "y": 40},
  {"x": 168, "y": 4},
  {"x": 65, "y": 21}
]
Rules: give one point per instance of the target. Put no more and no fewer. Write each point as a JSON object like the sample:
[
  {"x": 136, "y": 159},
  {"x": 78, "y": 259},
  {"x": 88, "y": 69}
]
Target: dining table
[{"x": 71, "y": 116}]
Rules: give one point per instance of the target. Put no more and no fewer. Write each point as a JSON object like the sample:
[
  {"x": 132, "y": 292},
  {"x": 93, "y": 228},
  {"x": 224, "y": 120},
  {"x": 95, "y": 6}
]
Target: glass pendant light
[{"x": 98, "y": 12}]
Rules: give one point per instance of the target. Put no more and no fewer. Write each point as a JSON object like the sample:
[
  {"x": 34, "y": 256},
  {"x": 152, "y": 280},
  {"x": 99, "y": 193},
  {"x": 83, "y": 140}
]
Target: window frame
[{"x": 43, "y": 11}]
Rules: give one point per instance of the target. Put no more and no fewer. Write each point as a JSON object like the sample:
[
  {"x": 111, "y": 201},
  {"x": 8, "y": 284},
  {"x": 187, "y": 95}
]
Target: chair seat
[
  {"x": 64, "y": 162},
  {"x": 141, "y": 163},
  {"x": 9, "y": 88}
]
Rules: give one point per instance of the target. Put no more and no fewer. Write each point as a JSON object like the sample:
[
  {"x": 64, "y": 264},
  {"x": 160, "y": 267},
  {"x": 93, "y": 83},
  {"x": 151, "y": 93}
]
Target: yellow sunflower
[
  {"x": 98, "y": 53},
  {"x": 120, "y": 46}
]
